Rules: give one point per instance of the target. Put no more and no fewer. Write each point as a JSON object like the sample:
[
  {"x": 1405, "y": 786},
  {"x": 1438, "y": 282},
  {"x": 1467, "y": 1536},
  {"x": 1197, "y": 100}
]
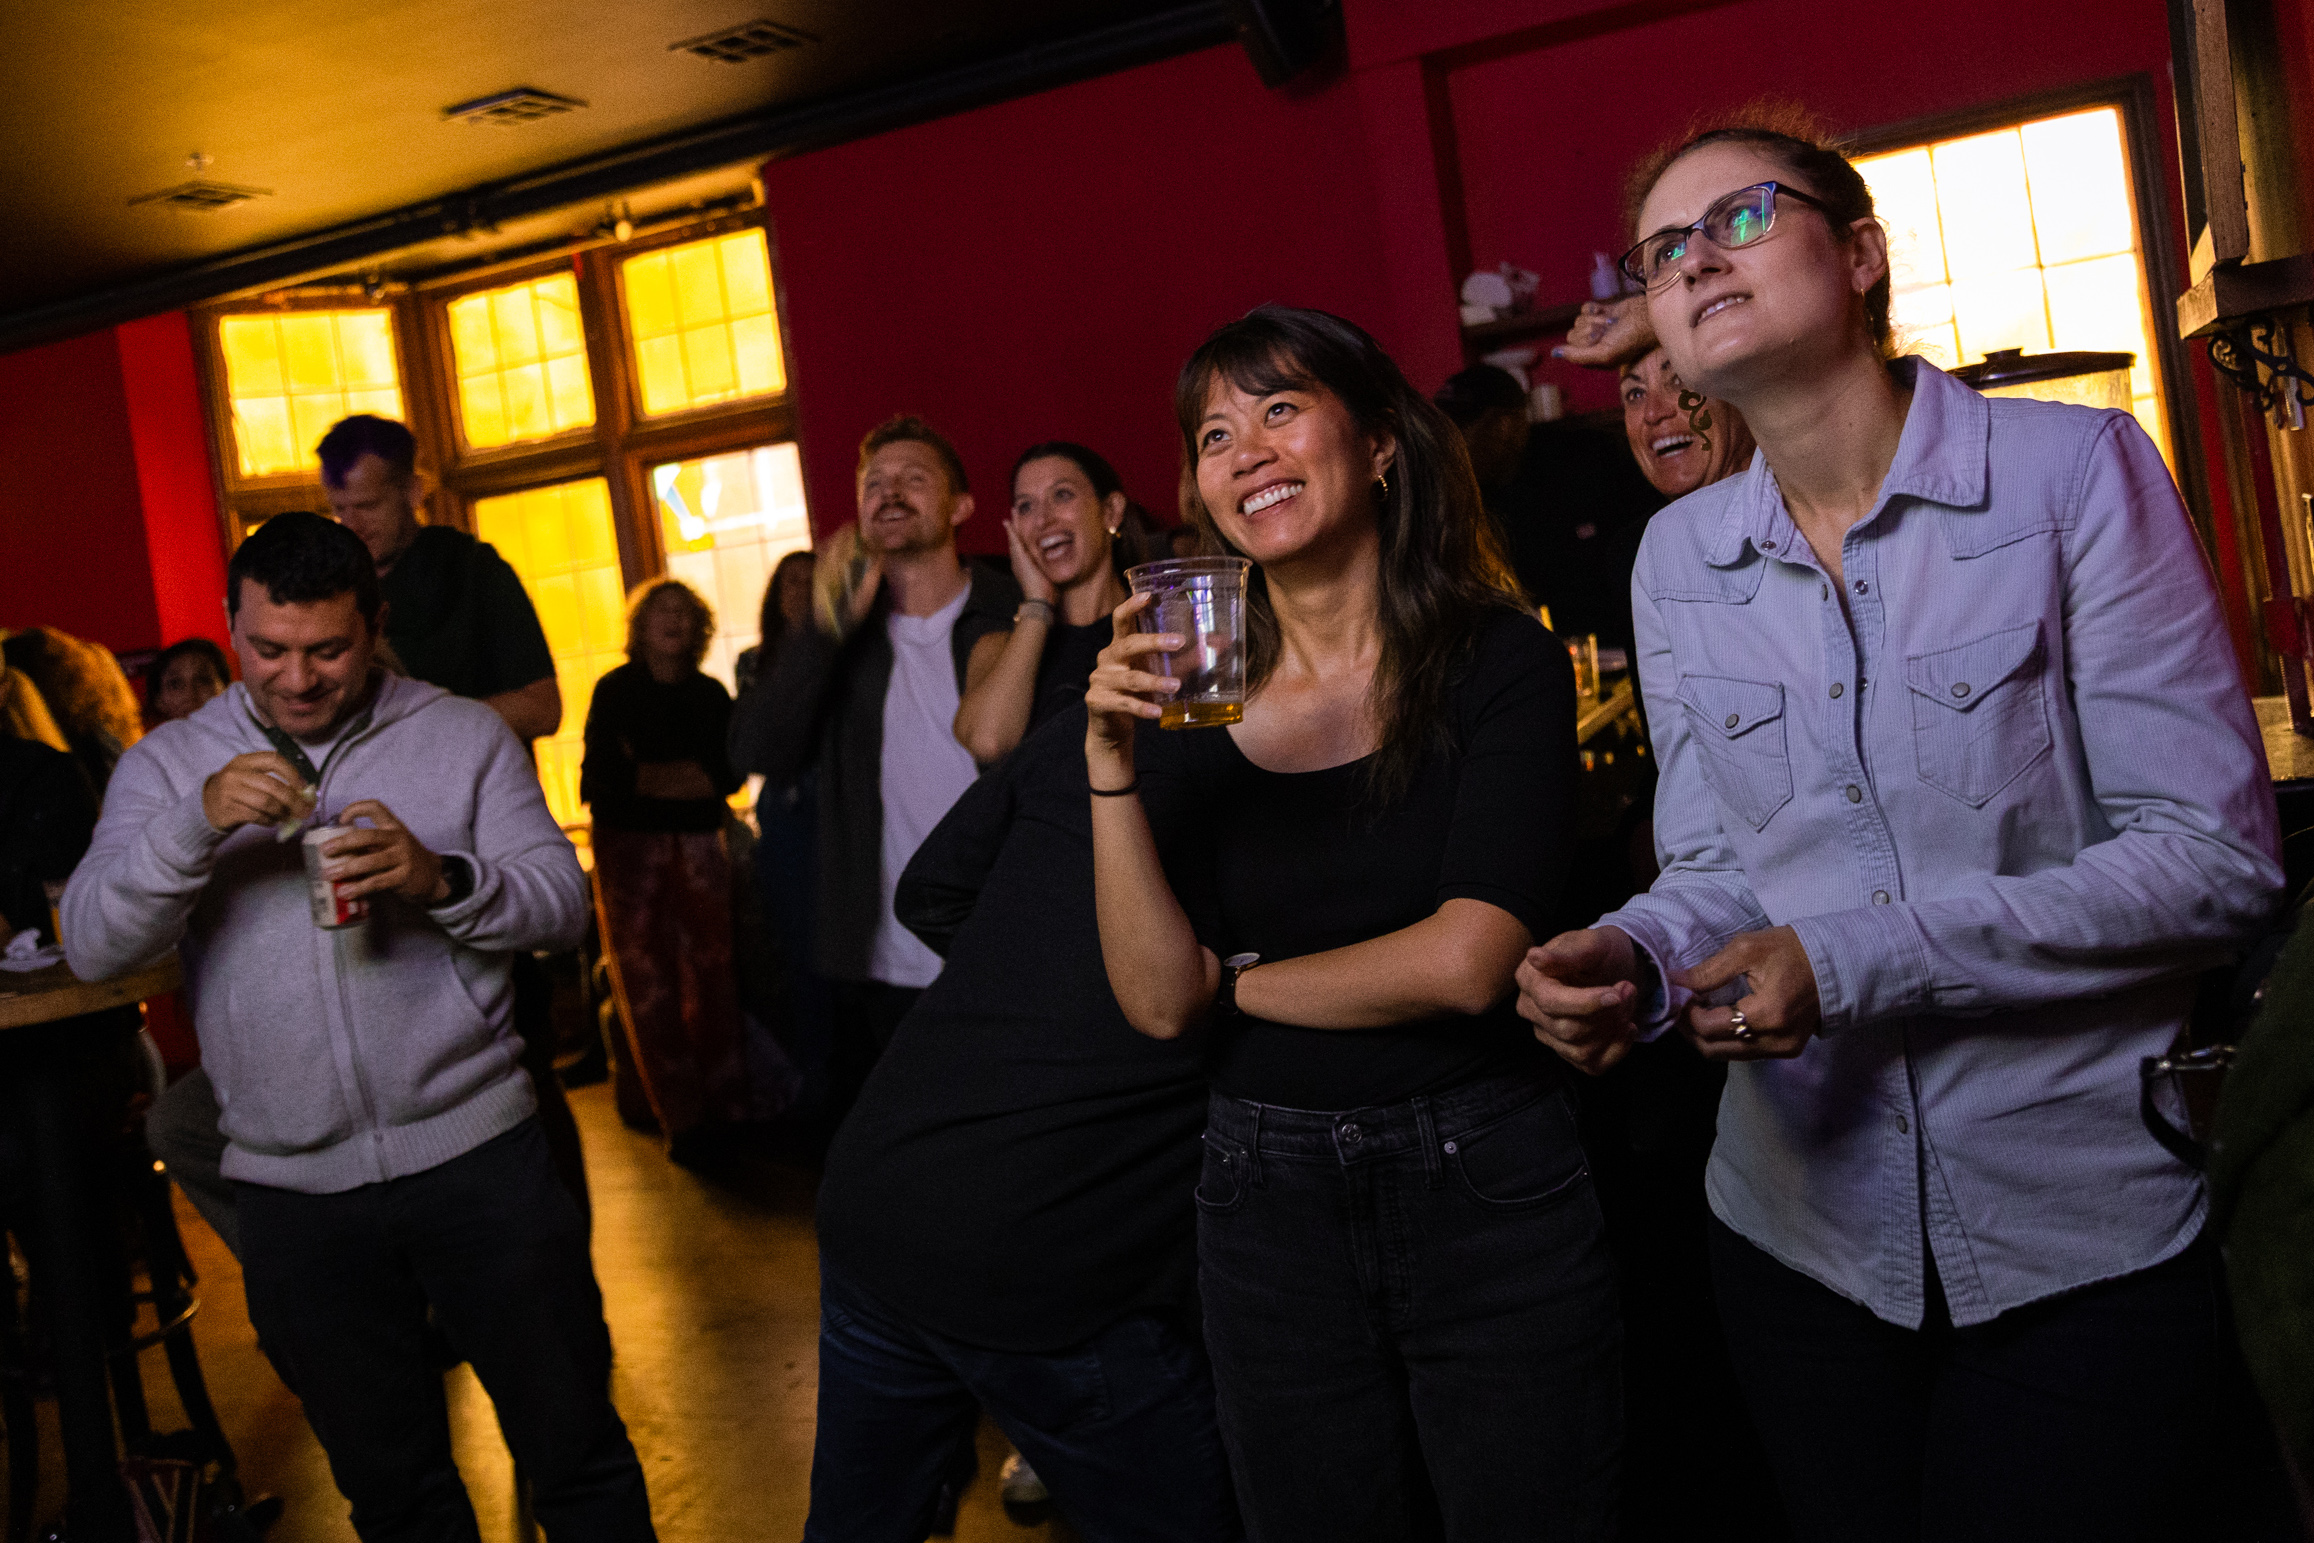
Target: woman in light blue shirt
[{"x": 1960, "y": 788}]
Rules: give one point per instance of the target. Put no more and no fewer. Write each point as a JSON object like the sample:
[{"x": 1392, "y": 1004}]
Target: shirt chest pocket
[
  {"x": 1979, "y": 717},
  {"x": 1738, "y": 729}
]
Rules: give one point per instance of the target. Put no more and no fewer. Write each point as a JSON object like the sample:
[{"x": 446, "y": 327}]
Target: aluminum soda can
[{"x": 331, "y": 909}]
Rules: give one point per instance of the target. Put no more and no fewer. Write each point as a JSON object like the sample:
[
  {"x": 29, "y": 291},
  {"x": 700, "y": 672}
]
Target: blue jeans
[
  {"x": 1412, "y": 1318},
  {"x": 1120, "y": 1428}
]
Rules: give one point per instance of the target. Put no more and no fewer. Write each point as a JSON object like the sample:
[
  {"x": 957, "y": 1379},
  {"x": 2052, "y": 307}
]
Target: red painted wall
[
  {"x": 176, "y": 488},
  {"x": 1040, "y": 269},
  {"x": 72, "y": 534},
  {"x": 108, "y": 519}
]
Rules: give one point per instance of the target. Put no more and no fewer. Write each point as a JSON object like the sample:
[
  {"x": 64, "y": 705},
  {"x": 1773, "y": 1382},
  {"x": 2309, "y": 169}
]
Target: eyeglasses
[{"x": 1743, "y": 217}]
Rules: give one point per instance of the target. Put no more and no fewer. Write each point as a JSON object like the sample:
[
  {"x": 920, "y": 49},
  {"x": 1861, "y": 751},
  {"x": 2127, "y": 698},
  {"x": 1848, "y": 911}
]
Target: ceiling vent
[
  {"x": 524, "y": 104},
  {"x": 200, "y": 197},
  {"x": 748, "y": 40}
]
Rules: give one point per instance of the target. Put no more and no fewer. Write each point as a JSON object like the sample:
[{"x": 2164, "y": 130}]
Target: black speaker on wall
[{"x": 1286, "y": 37}]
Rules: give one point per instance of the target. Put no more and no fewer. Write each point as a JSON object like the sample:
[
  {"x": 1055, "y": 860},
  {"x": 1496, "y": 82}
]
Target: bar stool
[{"x": 171, "y": 1477}]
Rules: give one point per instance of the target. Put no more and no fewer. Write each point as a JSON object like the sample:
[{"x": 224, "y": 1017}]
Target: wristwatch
[
  {"x": 458, "y": 873},
  {"x": 1225, "y": 997}
]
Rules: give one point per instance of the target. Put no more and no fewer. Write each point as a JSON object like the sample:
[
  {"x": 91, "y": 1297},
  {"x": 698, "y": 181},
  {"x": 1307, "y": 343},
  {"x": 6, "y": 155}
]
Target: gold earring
[{"x": 1382, "y": 481}]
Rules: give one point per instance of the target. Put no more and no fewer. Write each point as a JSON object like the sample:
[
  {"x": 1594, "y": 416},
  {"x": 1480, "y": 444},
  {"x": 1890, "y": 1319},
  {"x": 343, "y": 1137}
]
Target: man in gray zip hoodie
[{"x": 383, "y": 1143}]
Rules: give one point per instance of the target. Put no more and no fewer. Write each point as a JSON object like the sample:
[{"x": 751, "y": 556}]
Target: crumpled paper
[{"x": 25, "y": 953}]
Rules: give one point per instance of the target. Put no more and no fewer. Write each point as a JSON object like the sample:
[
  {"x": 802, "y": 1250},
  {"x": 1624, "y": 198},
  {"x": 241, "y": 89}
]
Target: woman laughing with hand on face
[
  {"x": 1069, "y": 547},
  {"x": 1959, "y": 790}
]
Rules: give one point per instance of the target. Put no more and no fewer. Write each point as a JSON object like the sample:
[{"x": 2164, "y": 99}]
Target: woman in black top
[
  {"x": 1407, "y": 1297},
  {"x": 656, "y": 776},
  {"x": 1072, "y": 535},
  {"x": 787, "y": 858}
]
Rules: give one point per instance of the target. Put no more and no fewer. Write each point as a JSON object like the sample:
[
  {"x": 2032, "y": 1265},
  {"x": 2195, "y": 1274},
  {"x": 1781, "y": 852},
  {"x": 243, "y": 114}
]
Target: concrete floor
[{"x": 712, "y": 1291}]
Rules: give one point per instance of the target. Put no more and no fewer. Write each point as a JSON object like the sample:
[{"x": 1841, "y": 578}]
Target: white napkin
[{"x": 24, "y": 953}]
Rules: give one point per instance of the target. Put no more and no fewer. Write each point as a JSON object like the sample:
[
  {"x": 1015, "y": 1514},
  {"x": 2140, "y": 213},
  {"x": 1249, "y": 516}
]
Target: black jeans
[
  {"x": 1120, "y": 1428},
  {"x": 2080, "y": 1417},
  {"x": 339, "y": 1286},
  {"x": 1412, "y": 1318}
]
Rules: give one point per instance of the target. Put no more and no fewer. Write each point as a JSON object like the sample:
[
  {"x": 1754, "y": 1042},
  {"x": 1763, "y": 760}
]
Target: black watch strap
[
  {"x": 459, "y": 874},
  {"x": 1225, "y": 996}
]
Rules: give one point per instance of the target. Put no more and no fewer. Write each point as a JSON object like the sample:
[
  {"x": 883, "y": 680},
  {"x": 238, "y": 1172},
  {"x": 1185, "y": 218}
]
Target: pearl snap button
[
  {"x": 1836, "y": 689},
  {"x": 1734, "y": 718},
  {"x": 1863, "y": 588},
  {"x": 1961, "y": 689},
  {"x": 1767, "y": 546},
  {"x": 1451, "y": 1149},
  {"x": 1855, "y": 794},
  {"x": 1903, "y": 1126},
  {"x": 1880, "y": 897}
]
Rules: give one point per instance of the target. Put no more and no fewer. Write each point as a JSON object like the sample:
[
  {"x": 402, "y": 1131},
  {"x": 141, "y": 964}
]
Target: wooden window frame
[
  {"x": 2157, "y": 244},
  {"x": 621, "y": 447}
]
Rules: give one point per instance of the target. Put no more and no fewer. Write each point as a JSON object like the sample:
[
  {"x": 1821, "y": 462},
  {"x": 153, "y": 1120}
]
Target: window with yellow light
[
  {"x": 726, "y": 521},
  {"x": 703, "y": 321},
  {"x": 560, "y": 542},
  {"x": 2027, "y": 238},
  {"x": 520, "y": 356},
  {"x": 289, "y": 375}
]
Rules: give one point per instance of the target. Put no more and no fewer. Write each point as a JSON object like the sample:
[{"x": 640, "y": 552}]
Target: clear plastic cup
[{"x": 1202, "y": 599}]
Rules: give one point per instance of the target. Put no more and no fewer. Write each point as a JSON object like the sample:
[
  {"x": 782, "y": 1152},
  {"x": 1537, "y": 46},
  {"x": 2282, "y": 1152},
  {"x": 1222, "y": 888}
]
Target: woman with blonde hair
[{"x": 656, "y": 775}]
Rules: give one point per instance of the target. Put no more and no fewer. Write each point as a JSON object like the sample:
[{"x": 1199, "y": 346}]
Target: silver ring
[{"x": 1741, "y": 1024}]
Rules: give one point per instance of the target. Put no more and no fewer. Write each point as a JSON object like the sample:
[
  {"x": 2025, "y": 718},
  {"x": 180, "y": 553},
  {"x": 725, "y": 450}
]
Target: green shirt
[{"x": 460, "y": 619}]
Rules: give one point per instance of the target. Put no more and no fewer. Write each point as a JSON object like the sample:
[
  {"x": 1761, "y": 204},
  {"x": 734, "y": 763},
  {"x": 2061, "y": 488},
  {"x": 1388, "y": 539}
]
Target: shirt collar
[{"x": 1941, "y": 458}]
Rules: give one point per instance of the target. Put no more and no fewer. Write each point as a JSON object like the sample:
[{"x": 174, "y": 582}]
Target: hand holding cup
[
  {"x": 1122, "y": 691},
  {"x": 383, "y": 858}
]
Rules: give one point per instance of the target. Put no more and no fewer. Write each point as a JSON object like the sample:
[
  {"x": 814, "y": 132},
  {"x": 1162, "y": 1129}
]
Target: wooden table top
[
  {"x": 2289, "y": 755},
  {"x": 43, "y": 996}
]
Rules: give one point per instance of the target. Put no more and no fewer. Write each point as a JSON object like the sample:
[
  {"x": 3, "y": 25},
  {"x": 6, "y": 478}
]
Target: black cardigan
[
  {"x": 634, "y": 719},
  {"x": 822, "y": 706}
]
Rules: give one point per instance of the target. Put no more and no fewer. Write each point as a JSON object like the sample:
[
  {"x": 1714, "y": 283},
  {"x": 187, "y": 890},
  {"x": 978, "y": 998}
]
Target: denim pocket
[
  {"x": 1978, "y": 715},
  {"x": 1221, "y": 1183},
  {"x": 1528, "y": 1158},
  {"x": 1738, "y": 727}
]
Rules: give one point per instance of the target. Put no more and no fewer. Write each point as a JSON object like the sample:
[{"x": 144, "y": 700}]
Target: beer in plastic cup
[
  {"x": 1202, "y": 599},
  {"x": 331, "y": 909}
]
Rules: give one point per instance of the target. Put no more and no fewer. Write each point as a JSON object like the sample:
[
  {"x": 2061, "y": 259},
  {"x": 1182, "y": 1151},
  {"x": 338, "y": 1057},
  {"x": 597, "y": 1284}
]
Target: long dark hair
[
  {"x": 157, "y": 671},
  {"x": 770, "y": 626},
  {"x": 1442, "y": 568},
  {"x": 1787, "y": 134},
  {"x": 1130, "y": 542}
]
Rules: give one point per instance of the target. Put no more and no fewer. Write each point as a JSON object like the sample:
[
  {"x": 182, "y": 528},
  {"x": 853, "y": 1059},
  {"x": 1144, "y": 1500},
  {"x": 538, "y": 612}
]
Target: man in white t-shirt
[{"x": 865, "y": 704}]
